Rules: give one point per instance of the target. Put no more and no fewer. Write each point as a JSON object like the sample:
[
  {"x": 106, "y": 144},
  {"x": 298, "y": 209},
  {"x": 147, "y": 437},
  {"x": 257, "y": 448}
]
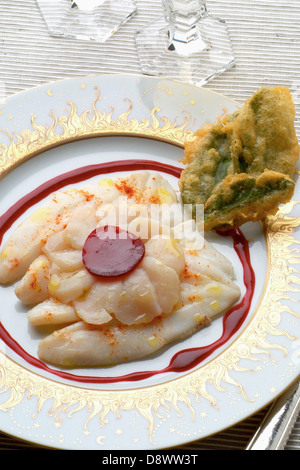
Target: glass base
[
  {"x": 207, "y": 53},
  {"x": 93, "y": 20}
]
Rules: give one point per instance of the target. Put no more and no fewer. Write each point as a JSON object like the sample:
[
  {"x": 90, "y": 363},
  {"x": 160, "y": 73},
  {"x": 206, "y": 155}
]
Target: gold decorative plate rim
[{"x": 229, "y": 368}]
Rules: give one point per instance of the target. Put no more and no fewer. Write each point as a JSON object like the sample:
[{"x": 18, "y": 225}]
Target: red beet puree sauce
[{"x": 182, "y": 361}]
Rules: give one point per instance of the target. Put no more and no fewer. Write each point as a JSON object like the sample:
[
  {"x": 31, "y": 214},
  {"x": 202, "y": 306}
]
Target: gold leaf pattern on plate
[{"x": 257, "y": 339}]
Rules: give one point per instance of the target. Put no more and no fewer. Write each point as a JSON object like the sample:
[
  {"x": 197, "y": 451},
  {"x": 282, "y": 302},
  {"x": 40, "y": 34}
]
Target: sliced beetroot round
[{"x": 110, "y": 251}]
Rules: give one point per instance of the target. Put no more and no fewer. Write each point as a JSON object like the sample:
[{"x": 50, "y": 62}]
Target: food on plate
[
  {"x": 118, "y": 269},
  {"x": 241, "y": 167}
]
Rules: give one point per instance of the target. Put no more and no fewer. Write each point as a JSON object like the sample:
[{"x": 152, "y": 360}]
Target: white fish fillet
[
  {"x": 173, "y": 292},
  {"x": 81, "y": 345},
  {"x": 26, "y": 242},
  {"x": 205, "y": 294}
]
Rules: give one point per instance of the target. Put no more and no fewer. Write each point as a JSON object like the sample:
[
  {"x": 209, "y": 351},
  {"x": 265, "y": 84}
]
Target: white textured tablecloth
[{"x": 266, "y": 40}]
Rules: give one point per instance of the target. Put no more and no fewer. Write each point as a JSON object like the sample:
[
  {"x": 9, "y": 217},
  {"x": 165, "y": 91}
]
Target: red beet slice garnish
[{"x": 110, "y": 252}]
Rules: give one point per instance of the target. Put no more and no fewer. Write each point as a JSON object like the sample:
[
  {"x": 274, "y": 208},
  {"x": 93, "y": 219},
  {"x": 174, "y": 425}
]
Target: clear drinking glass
[
  {"x": 185, "y": 44},
  {"x": 94, "y": 20}
]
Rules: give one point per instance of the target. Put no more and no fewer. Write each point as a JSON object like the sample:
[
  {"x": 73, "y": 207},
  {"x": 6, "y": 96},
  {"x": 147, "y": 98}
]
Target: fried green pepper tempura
[{"x": 241, "y": 168}]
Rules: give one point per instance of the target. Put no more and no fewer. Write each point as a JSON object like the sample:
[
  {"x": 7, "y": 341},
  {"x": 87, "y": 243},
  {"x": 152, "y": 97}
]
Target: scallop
[
  {"x": 165, "y": 281},
  {"x": 168, "y": 251},
  {"x": 61, "y": 254},
  {"x": 26, "y": 242},
  {"x": 138, "y": 300},
  {"x": 99, "y": 303},
  {"x": 67, "y": 287},
  {"x": 33, "y": 287},
  {"x": 52, "y": 312},
  {"x": 76, "y": 232}
]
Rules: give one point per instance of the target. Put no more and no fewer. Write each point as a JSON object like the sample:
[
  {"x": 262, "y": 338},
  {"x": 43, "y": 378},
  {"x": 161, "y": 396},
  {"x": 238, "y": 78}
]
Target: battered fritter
[{"x": 241, "y": 168}]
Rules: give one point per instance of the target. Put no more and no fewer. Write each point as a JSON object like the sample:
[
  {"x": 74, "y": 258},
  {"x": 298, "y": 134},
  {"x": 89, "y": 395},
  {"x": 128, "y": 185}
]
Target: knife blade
[{"x": 277, "y": 425}]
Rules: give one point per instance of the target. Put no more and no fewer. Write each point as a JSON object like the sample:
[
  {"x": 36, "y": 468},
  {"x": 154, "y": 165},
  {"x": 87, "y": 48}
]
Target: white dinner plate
[{"x": 52, "y": 129}]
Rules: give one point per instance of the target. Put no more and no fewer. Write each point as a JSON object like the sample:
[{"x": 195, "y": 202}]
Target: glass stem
[{"x": 183, "y": 17}]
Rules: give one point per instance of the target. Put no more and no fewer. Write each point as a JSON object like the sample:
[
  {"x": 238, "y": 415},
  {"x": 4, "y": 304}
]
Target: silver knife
[{"x": 278, "y": 424}]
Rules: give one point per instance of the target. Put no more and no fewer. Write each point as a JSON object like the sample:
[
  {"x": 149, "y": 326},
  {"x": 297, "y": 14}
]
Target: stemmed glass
[
  {"x": 95, "y": 20},
  {"x": 185, "y": 44}
]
